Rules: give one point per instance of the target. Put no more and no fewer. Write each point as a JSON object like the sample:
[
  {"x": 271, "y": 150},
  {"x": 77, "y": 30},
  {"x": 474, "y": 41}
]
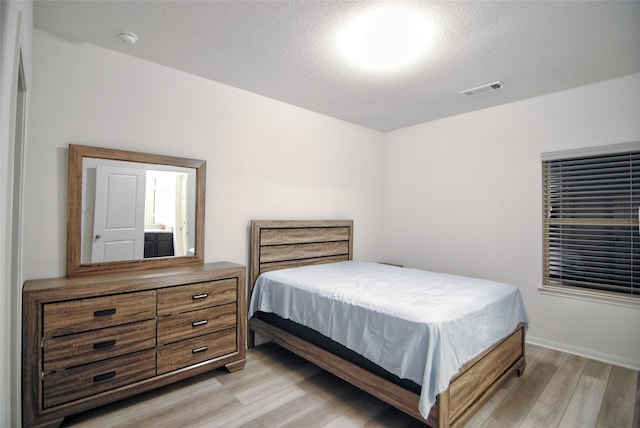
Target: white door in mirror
[{"x": 118, "y": 227}]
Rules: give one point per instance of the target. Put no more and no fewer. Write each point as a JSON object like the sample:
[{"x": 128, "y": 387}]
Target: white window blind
[{"x": 591, "y": 228}]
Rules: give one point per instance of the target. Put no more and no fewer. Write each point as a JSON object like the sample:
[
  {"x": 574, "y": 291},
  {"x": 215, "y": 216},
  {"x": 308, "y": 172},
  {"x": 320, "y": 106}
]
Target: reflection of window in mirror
[{"x": 134, "y": 210}]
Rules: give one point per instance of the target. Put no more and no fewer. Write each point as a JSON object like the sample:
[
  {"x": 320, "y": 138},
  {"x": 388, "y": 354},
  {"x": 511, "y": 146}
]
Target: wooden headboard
[{"x": 279, "y": 244}]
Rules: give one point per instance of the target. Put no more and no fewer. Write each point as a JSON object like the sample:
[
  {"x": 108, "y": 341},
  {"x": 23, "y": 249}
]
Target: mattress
[{"x": 420, "y": 326}]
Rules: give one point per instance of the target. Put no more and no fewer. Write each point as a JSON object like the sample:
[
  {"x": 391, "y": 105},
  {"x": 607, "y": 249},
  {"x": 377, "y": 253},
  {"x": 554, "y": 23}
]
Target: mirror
[{"x": 130, "y": 210}]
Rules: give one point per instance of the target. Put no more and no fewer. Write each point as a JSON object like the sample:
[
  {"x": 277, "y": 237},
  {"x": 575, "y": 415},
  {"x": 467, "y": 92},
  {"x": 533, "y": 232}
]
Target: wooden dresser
[{"x": 91, "y": 340}]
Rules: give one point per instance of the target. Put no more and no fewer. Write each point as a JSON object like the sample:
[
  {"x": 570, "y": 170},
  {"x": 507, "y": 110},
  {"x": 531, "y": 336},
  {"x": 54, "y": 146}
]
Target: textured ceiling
[{"x": 285, "y": 50}]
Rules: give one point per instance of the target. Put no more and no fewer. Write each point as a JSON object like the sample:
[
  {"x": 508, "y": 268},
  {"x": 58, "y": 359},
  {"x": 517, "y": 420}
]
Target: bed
[{"x": 312, "y": 248}]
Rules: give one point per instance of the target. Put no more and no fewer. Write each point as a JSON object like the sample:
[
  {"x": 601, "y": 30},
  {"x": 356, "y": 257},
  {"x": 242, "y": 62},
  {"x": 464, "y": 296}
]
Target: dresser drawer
[
  {"x": 75, "y": 316},
  {"x": 68, "y": 385},
  {"x": 196, "y": 323},
  {"x": 192, "y": 351},
  {"x": 84, "y": 348},
  {"x": 196, "y": 296}
]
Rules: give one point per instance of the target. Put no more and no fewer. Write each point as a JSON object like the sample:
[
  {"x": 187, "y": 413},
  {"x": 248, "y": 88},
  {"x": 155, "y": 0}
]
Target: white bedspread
[{"x": 419, "y": 325}]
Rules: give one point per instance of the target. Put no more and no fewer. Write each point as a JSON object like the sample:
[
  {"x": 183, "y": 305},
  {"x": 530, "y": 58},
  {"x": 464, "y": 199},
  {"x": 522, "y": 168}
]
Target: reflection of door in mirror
[
  {"x": 118, "y": 232},
  {"x": 181, "y": 215}
]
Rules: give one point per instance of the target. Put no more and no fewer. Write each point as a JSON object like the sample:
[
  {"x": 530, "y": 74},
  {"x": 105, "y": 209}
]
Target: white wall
[
  {"x": 16, "y": 27},
  {"x": 463, "y": 195},
  {"x": 265, "y": 159}
]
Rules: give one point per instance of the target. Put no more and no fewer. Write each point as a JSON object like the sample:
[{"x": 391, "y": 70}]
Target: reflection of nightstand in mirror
[{"x": 158, "y": 243}]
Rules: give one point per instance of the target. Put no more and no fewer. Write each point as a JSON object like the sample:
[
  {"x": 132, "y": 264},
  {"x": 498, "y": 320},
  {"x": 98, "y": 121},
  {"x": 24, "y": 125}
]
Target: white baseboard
[{"x": 583, "y": 352}]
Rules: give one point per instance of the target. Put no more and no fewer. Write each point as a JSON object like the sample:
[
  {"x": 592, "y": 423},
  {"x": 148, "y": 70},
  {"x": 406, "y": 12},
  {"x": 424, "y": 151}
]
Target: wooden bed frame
[{"x": 281, "y": 244}]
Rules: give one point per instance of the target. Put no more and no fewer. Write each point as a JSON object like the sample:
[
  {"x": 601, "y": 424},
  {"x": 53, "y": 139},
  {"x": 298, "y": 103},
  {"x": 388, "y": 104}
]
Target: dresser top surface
[{"x": 118, "y": 282}]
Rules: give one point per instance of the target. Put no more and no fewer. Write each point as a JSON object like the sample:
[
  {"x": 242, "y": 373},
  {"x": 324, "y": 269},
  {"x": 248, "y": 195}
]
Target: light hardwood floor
[{"x": 278, "y": 389}]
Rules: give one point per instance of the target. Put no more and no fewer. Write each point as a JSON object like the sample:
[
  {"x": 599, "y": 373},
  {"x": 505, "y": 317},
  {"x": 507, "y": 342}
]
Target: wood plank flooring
[{"x": 278, "y": 389}]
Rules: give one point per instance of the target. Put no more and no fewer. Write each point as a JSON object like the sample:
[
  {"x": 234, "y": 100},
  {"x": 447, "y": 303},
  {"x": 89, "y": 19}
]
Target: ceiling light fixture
[
  {"x": 128, "y": 37},
  {"x": 386, "y": 37}
]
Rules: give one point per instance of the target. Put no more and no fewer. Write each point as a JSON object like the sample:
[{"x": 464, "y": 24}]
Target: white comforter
[{"x": 418, "y": 325}]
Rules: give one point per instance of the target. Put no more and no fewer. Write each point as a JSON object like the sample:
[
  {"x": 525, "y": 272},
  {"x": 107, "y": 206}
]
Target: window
[{"x": 591, "y": 229}]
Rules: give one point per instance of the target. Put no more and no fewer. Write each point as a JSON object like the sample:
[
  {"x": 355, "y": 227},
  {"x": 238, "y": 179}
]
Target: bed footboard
[{"x": 476, "y": 382}]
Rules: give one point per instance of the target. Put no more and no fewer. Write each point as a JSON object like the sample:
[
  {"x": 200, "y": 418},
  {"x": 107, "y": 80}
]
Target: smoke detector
[
  {"x": 484, "y": 88},
  {"x": 128, "y": 37}
]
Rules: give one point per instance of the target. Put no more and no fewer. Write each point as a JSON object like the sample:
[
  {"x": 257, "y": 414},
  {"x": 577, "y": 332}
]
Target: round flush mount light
[
  {"x": 386, "y": 37},
  {"x": 128, "y": 37}
]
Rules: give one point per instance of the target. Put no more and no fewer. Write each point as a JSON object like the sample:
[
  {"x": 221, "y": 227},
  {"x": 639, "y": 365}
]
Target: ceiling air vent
[{"x": 484, "y": 88}]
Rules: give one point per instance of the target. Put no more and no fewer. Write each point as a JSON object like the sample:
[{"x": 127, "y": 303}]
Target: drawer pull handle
[
  {"x": 105, "y": 344},
  {"x": 104, "y": 312},
  {"x": 104, "y": 376},
  {"x": 199, "y": 296},
  {"x": 197, "y": 323},
  {"x": 201, "y": 349}
]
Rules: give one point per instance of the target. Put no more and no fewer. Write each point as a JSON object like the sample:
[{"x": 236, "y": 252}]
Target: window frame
[{"x": 575, "y": 291}]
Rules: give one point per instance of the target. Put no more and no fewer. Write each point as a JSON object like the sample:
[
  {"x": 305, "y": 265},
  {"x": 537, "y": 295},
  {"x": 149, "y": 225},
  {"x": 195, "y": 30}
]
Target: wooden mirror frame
[{"x": 74, "y": 210}]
